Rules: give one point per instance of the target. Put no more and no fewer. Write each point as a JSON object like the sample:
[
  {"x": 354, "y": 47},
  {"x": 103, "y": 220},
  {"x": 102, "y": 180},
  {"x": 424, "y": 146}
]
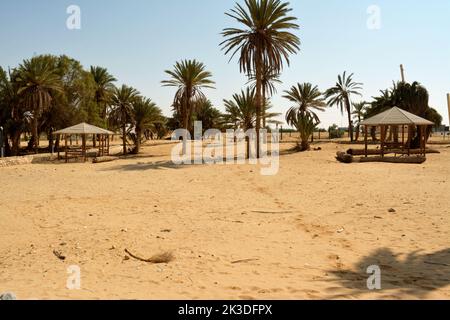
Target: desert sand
[{"x": 309, "y": 232}]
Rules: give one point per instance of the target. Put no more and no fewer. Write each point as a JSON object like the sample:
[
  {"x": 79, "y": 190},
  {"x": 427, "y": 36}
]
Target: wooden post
[
  {"x": 403, "y": 138},
  {"x": 383, "y": 139},
  {"x": 84, "y": 153},
  {"x": 59, "y": 138},
  {"x": 65, "y": 139},
  {"x": 423, "y": 140},
  {"x": 409, "y": 140},
  {"x": 365, "y": 141}
]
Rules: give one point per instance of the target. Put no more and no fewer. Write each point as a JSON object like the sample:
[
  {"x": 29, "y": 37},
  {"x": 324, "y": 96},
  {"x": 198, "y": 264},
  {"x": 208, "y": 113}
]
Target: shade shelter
[
  {"x": 84, "y": 130},
  {"x": 403, "y": 123}
]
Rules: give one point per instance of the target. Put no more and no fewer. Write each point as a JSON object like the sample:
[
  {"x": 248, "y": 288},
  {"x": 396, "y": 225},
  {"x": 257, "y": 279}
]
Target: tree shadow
[
  {"x": 415, "y": 274},
  {"x": 144, "y": 166}
]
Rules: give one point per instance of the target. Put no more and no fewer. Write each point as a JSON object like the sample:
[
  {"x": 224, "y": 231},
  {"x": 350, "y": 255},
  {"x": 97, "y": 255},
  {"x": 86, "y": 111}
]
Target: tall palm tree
[
  {"x": 359, "y": 111},
  {"x": 269, "y": 79},
  {"x": 104, "y": 87},
  {"x": 38, "y": 82},
  {"x": 264, "y": 41},
  {"x": 340, "y": 95},
  {"x": 145, "y": 114},
  {"x": 121, "y": 115},
  {"x": 190, "y": 77}
]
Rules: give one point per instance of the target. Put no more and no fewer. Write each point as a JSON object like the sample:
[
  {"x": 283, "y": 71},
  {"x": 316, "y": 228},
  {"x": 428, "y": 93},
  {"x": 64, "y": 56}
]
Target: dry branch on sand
[
  {"x": 59, "y": 255},
  {"x": 163, "y": 257},
  {"x": 243, "y": 261}
]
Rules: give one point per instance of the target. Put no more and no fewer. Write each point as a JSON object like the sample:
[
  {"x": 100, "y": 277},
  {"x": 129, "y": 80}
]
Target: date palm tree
[
  {"x": 145, "y": 114},
  {"x": 210, "y": 117},
  {"x": 264, "y": 41},
  {"x": 104, "y": 87},
  {"x": 240, "y": 112},
  {"x": 305, "y": 124},
  {"x": 269, "y": 80},
  {"x": 340, "y": 95},
  {"x": 38, "y": 82},
  {"x": 307, "y": 100},
  {"x": 190, "y": 77},
  {"x": 121, "y": 115}
]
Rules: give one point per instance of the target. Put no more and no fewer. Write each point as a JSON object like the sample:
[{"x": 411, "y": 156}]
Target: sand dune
[{"x": 309, "y": 232}]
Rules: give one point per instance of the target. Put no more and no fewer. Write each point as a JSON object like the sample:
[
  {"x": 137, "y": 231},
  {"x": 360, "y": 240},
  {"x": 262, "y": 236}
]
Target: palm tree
[
  {"x": 305, "y": 124},
  {"x": 412, "y": 97},
  {"x": 38, "y": 82},
  {"x": 268, "y": 80},
  {"x": 189, "y": 77},
  {"x": 241, "y": 112},
  {"x": 265, "y": 41},
  {"x": 121, "y": 115},
  {"x": 210, "y": 117},
  {"x": 359, "y": 111},
  {"x": 104, "y": 87},
  {"x": 340, "y": 95},
  {"x": 12, "y": 114},
  {"x": 145, "y": 114},
  {"x": 307, "y": 100}
]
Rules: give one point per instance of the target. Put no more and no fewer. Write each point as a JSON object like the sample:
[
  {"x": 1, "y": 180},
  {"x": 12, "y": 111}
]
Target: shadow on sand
[
  {"x": 144, "y": 166},
  {"x": 416, "y": 274}
]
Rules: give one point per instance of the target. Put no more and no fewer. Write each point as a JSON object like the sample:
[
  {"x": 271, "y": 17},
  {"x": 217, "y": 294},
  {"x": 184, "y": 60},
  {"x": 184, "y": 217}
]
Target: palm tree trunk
[
  {"x": 15, "y": 143},
  {"x": 264, "y": 106},
  {"x": 258, "y": 99},
  {"x": 124, "y": 138},
  {"x": 35, "y": 134},
  {"x": 138, "y": 140},
  {"x": 185, "y": 117},
  {"x": 349, "y": 114}
]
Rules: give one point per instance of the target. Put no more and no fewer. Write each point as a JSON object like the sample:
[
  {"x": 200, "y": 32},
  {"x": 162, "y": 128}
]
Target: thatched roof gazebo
[
  {"x": 84, "y": 130},
  {"x": 396, "y": 119}
]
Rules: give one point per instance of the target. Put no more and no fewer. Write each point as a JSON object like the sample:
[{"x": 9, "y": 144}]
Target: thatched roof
[
  {"x": 396, "y": 116},
  {"x": 84, "y": 128}
]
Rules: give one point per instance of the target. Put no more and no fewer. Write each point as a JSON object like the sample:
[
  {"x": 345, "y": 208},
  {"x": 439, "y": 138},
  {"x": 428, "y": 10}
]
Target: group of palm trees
[{"x": 48, "y": 92}]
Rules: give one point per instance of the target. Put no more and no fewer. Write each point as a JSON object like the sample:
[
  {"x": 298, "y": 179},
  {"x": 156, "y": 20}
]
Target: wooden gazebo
[
  {"x": 85, "y": 130},
  {"x": 401, "y": 122}
]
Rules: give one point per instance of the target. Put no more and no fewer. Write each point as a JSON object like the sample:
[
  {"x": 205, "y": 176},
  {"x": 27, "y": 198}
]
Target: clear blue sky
[{"x": 138, "y": 39}]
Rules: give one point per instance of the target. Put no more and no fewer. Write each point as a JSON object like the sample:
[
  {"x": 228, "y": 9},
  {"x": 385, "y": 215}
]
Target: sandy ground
[{"x": 309, "y": 232}]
